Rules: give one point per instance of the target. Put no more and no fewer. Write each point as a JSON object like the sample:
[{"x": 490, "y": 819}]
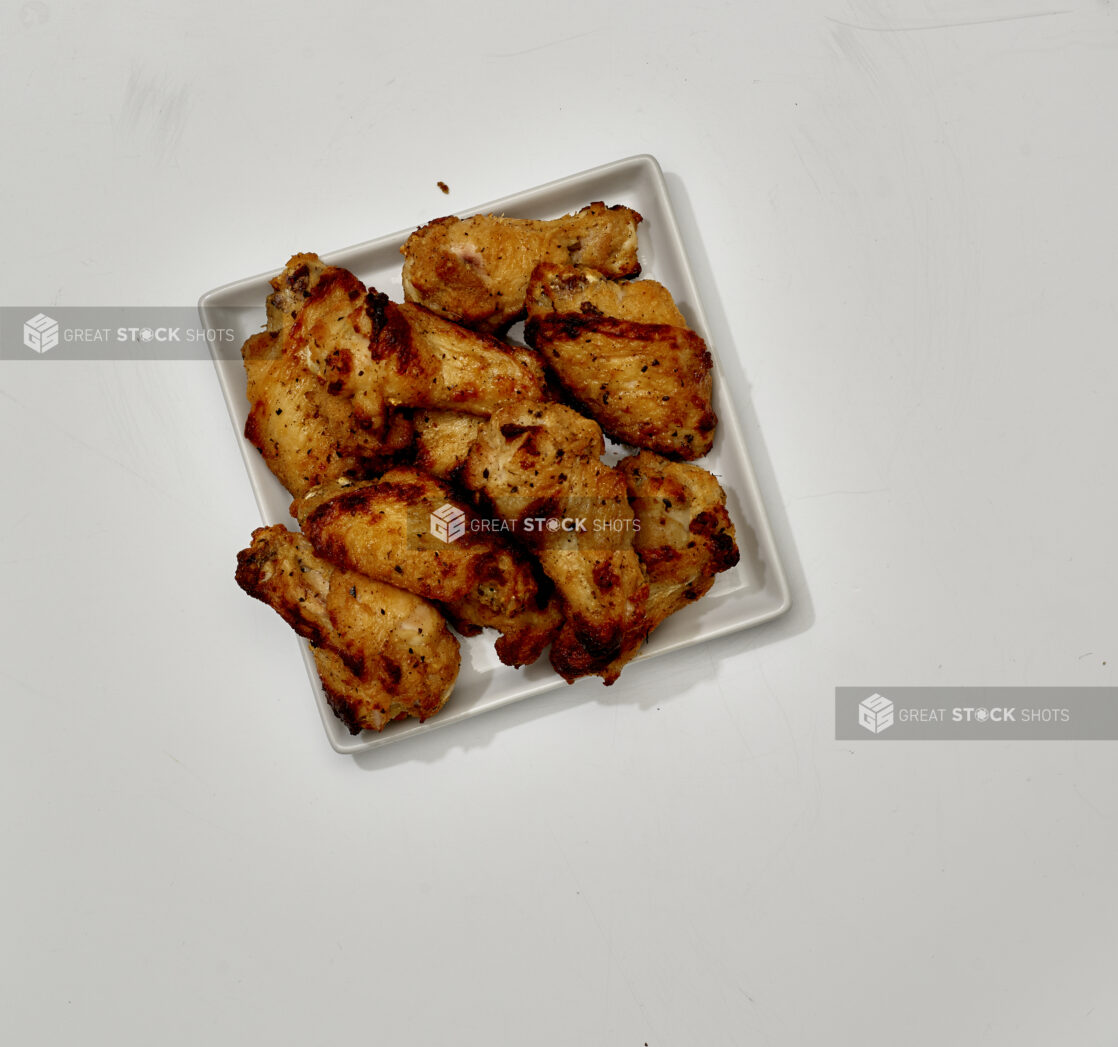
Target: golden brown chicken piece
[
  {"x": 385, "y": 529},
  {"x": 382, "y": 653},
  {"x": 539, "y": 466},
  {"x": 577, "y": 289},
  {"x": 475, "y": 271},
  {"x": 306, "y": 434},
  {"x": 384, "y": 355},
  {"x": 686, "y": 537},
  {"x": 442, "y": 441},
  {"x": 622, "y": 353}
]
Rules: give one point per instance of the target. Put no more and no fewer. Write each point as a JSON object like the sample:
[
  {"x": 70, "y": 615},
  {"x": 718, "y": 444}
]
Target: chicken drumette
[
  {"x": 379, "y": 355},
  {"x": 305, "y": 433},
  {"x": 384, "y": 529},
  {"x": 382, "y": 653},
  {"x": 685, "y": 537},
  {"x": 539, "y": 467},
  {"x": 475, "y": 271}
]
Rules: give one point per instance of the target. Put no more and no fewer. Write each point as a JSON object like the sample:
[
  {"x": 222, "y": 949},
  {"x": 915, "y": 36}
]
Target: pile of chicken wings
[{"x": 447, "y": 480}]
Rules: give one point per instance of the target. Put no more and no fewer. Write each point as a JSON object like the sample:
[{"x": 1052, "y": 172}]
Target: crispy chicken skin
[
  {"x": 686, "y": 537},
  {"x": 475, "y": 271},
  {"x": 537, "y": 463},
  {"x": 442, "y": 441},
  {"x": 306, "y": 434},
  {"x": 382, "y": 653},
  {"x": 577, "y": 289},
  {"x": 382, "y": 528},
  {"x": 383, "y": 355},
  {"x": 623, "y": 354},
  {"x": 291, "y": 288}
]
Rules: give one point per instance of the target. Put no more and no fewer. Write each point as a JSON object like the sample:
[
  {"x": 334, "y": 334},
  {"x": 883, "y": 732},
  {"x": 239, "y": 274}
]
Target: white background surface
[{"x": 903, "y": 218}]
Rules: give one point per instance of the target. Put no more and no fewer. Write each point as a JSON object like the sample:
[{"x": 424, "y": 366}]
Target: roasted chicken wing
[
  {"x": 383, "y": 355},
  {"x": 539, "y": 466},
  {"x": 475, "y": 271},
  {"x": 306, "y": 434},
  {"x": 382, "y": 653},
  {"x": 577, "y": 289},
  {"x": 409, "y": 529},
  {"x": 686, "y": 537},
  {"x": 623, "y": 354}
]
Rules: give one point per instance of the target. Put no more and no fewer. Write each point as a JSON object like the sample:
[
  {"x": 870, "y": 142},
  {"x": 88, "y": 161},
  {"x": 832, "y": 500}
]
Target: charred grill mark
[
  {"x": 584, "y": 648},
  {"x": 637, "y": 219},
  {"x": 250, "y": 568},
  {"x": 353, "y": 661},
  {"x": 376, "y": 308},
  {"x": 331, "y": 278},
  {"x": 605, "y": 576},
  {"x": 714, "y": 525},
  {"x": 655, "y": 556},
  {"x": 511, "y": 430},
  {"x": 392, "y": 675},
  {"x": 346, "y": 503},
  {"x": 331, "y": 547},
  {"x": 572, "y": 326},
  {"x": 363, "y": 502},
  {"x": 400, "y": 491},
  {"x": 601, "y": 645},
  {"x": 343, "y": 709},
  {"x": 726, "y": 553},
  {"x": 544, "y": 508},
  {"x": 564, "y": 326},
  {"x": 391, "y": 335},
  {"x": 253, "y": 430}
]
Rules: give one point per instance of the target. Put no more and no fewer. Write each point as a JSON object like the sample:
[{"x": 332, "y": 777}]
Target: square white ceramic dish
[{"x": 753, "y": 592}]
